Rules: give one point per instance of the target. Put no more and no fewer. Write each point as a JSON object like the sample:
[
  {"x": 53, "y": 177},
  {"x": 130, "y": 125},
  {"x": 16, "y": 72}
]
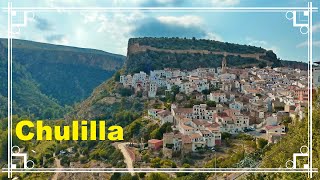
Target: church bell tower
[{"x": 224, "y": 64}]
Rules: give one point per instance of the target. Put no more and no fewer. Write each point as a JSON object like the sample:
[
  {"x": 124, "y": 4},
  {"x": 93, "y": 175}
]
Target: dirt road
[
  {"x": 57, "y": 163},
  {"x": 126, "y": 155}
]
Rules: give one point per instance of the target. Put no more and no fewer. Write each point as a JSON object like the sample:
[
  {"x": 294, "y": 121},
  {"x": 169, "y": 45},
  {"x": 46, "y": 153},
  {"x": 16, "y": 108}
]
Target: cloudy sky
[{"x": 110, "y": 31}]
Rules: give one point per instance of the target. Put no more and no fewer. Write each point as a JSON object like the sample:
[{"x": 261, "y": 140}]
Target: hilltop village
[{"x": 227, "y": 100}]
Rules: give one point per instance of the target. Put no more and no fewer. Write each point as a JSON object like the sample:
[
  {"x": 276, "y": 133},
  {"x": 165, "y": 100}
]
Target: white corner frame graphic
[{"x": 305, "y": 28}]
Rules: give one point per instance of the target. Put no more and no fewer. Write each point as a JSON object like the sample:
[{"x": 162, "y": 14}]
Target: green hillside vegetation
[
  {"x": 48, "y": 77},
  {"x": 111, "y": 101},
  {"x": 196, "y": 44},
  {"x": 183, "y": 53},
  {"x": 46, "y": 80},
  {"x": 294, "y": 64},
  {"x": 297, "y": 137},
  {"x": 31, "y": 45},
  {"x": 42, "y": 152},
  {"x": 152, "y": 60},
  {"x": 106, "y": 103},
  {"x": 28, "y": 100}
]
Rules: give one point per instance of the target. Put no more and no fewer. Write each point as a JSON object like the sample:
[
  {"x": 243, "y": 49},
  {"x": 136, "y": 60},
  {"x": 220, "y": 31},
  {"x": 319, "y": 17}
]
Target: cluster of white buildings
[
  {"x": 259, "y": 97},
  {"x": 194, "y": 128},
  {"x": 188, "y": 81}
]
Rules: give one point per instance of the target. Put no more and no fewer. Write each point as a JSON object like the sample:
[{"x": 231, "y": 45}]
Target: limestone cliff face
[
  {"x": 145, "y": 54},
  {"x": 134, "y": 48},
  {"x": 137, "y": 48}
]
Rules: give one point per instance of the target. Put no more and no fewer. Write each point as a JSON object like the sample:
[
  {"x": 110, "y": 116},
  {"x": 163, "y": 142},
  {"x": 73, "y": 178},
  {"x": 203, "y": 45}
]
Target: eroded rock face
[{"x": 136, "y": 48}]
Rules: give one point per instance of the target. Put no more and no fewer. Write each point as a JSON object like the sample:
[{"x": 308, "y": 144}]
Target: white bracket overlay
[
  {"x": 24, "y": 158},
  {"x": 290, "y": 13}
]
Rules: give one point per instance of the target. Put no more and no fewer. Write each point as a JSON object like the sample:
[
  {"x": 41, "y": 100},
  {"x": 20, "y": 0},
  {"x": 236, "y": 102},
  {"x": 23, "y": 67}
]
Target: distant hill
[
  {"x": 157, "y": 53},
  {"x": 51, "y": 76},
  {"x": 295, "y": 64}
]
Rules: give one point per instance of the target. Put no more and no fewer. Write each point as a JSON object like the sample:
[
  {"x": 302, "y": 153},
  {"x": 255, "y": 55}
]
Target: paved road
[
  {"x": 126, "y": 155},
  {"x": 257, "y": 134}
]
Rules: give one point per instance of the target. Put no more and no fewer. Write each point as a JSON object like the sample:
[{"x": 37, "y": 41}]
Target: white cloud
[
  {"x": 188, "y": 21},
  {"x": 63, "y": 3},
  {"x": 117, "y": 28},
  {"x": 165, "y": 1},
  {"x": 126, "y": 2},
  {"x": 90, "y": 17},
  {"x": 63, "y": 41},
  {"x": 213, "y": 36},
  {"x": 316, "y": 43},
  {"x": 225, "y": 2},
  {"x": 305, "y": 44},
  {"x": 254, "y": 42},
  {"x": 57, "y": 39},
  {"x": 185, "y": 21},
  {"x": 175, "y": 3},
  {"x": 262, "y": 43},
  {"x": 114, "y": 28},
  {"x": 316, "y": 27}
]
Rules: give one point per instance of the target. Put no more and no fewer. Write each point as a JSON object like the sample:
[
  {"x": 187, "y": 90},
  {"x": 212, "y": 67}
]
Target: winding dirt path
[
  {"x": 127, "y": 158},
  {"x": 57, "y": 165}
]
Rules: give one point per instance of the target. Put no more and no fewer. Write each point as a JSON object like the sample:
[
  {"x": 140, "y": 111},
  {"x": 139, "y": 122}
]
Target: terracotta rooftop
[
  {"x": 186, "y": 139},
  {"x": 205, "y": 132},
  {"x": 223, "y": 114},
  {"x": 183, "y": 110},
  {"x": 195, "y": 136},
  {"x": 183, "y": 126},
  {"x": 200, "y": 122},
  {"x": 273, "y": 127},
  {"x": 164, "y": 113},
  {"x": 154, "y": 141}
]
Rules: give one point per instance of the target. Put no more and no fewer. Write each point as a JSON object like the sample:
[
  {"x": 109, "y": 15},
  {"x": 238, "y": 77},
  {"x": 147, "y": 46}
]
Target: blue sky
[{"x": 110, "y": 31}]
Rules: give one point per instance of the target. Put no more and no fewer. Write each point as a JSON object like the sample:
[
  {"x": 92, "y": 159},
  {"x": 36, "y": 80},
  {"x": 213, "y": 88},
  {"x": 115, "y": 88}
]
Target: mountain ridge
[
  {"x": 148, "y": 53},
  {"x": 58, "y": 75}
]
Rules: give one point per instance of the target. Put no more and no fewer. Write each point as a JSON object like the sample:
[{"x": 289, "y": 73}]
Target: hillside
[
  {"x": 51, "y": 76},
  {"x": 145, "y": 54},
  {"x": 157, "y": 53},
  {"x": 297, "y": 137},
  {"x": 294, "y": 64},
  {"x": 113, "y": 102},
  {"x": 108, "y": 102}
]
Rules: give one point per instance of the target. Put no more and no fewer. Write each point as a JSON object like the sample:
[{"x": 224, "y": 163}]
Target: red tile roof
[
  {"x": 154, "y": 141},
  {"x": 273, "y": 127}
]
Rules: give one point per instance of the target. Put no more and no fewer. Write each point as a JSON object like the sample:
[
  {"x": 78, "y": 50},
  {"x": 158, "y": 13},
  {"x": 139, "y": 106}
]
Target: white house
[
  {"x": 278, "y": 129},
  {"x": 141, "y": 76},
  {"x": 202, "y": 112},
  {"x": 237, "y": 105},
  {"x": 152, "y": 90},
  {"x": 241, "y": 122},
  {"x": 165, "y": 116},
  {"x": 218, "y": 97}
]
